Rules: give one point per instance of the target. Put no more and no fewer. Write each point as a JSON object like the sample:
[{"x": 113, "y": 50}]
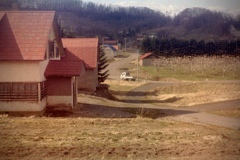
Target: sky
[{"x": 175, "y": 6}]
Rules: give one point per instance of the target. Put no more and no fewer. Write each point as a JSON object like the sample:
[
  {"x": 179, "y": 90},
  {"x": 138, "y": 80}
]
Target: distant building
[
  {"x": 87, "y": 50},
  {"x": 113, "y": 43},
  {"x": 146, "y": 59},
  {"x": 109, "y": 51}
]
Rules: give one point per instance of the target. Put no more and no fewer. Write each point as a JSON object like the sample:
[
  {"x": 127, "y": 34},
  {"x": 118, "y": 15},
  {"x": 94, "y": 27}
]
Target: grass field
[
  {"x": 97, "y": 138},
  {"x": 181, "y": 74},
  {"x": 193, "y": 69}
]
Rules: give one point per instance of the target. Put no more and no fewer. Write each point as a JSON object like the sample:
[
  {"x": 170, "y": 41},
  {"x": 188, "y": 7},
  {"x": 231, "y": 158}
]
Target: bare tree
[{"x": 157, "y": 63}]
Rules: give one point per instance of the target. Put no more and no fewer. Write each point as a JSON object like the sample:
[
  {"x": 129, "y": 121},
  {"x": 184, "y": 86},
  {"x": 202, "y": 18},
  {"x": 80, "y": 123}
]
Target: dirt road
[
  {"x": 114, "y": 67},
  {"x": 195, "y": 114}
]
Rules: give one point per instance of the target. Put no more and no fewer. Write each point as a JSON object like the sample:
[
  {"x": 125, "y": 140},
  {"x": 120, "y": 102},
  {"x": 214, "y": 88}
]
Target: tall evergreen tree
[{"x": 102, "y": 65}]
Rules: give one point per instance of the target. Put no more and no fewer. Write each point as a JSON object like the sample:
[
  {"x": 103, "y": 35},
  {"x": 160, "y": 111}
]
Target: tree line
[
  {"x": 98, "y": 11},
  {"x": 111, "y": 20},
  {"x": 179, "y": 47}
]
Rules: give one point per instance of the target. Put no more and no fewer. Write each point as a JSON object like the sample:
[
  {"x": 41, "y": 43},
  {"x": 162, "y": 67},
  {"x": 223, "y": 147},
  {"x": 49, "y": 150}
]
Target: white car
[{"x": 126, "y": 76}]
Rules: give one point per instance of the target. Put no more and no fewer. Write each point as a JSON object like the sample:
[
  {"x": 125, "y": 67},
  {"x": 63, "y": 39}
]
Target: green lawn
[{"x": 185, "y": 74}]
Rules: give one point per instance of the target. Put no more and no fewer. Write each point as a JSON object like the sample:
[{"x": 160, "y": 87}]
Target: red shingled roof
[
  {"x": 145, "y": 55},
  {"x": 85, "y": 49},
  {"x": 24, "y": 34},
  {"x": 65, "y": 67}
]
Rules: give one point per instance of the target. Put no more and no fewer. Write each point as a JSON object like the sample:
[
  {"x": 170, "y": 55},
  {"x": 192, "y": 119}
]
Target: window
[
  {"x": 57, "y": 53},
  {"x": 53, "y": 50}
]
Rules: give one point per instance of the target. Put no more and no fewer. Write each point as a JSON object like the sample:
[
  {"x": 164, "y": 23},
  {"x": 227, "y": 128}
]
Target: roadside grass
[
  {"x": 235, "y": 113},
  {"x": 120, "y": 88},
  {"x": 99, "y": 138}
]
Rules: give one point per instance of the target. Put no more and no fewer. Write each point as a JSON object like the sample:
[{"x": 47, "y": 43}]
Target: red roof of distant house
[
  {"x": 85, "y": 49},
  {"x": 116, "y": 47},
  {"x": 24, "y": 34},
  {"x": 65, "y": 67},
  {"x": 145, "y": 55}
]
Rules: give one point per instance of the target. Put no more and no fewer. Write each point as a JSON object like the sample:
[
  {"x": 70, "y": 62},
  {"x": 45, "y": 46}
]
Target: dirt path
[
  {"x": 114, "y": 67},
  {"x": 195, "y": 114}
]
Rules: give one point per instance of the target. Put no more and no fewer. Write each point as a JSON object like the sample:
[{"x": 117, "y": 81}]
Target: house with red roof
[
  {"x": 87, "y": 50},
  {"x": 35, "y": 70},
  {"x": 146, "y": 59}
]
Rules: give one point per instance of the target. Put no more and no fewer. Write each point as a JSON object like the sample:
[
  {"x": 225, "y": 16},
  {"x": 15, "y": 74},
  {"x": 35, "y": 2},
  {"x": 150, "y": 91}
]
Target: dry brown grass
[
  {"x": 197, "y": 93},
  {"x": 122, "y": 86},
  {"x": 235, "y": 112},
  {"x": 91, "y": 138},
  {"x": 121, "y": 138}
]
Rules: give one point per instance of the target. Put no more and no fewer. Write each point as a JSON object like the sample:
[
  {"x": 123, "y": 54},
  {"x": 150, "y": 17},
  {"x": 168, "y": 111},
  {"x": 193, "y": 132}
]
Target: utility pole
[
  {"x": 125, "y": 44},
  {"x": 103, "y": 40},
  {"x": 137, "y": 66}
]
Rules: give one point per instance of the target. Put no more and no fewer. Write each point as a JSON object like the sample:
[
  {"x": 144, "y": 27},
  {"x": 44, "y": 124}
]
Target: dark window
[
  {"x": 45, "y": 56},
  {"x": 57, "y": 52},
  {"x": 51, "y": 49}
]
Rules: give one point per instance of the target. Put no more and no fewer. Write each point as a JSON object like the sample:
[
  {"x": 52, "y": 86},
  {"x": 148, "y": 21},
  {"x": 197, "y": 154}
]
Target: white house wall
[
  {"x": 52, "y": 35},
  {"x": 58, "y": 100},
  {"x": 22, "y": 71},
  {"x": 42, "y": 68},
  {"x": 21, "y": 106},
  {"x": 19, "y": 71},
  {"x": 88, "y": 81}
]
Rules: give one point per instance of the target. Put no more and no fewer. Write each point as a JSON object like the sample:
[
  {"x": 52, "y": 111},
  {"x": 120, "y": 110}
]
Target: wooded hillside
[{"x": 82, "y": 19}]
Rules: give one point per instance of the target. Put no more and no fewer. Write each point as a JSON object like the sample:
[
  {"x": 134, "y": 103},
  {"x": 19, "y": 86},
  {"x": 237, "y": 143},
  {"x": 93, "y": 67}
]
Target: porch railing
[{"x": 21, "y": 91}]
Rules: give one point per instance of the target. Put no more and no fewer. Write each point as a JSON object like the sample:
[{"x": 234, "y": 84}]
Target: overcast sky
[{"x": 175, "y": 6}]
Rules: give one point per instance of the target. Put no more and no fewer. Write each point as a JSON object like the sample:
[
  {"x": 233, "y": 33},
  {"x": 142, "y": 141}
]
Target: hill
[{"x": 86, "y": 19}]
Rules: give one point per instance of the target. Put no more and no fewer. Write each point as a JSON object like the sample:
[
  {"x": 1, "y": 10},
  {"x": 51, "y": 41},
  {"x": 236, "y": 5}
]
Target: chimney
[{"x": 15, "y": 7}]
